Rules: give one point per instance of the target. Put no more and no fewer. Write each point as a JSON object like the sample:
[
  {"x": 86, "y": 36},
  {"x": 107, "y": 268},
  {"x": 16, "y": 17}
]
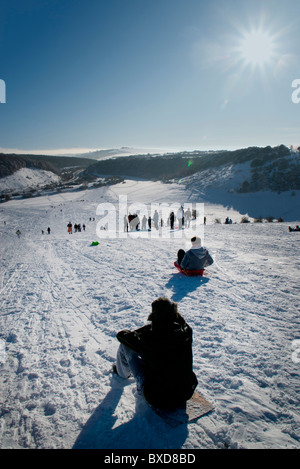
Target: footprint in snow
[{"x": 65, "y": 362}]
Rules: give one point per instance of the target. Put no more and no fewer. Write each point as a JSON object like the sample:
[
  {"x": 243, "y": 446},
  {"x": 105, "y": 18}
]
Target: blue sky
[{"x": 166, "y": 74}]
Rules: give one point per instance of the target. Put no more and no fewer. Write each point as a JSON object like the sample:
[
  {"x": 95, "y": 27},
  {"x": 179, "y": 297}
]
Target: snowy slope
[
  {"x": 215, "y": 185},
  {"x": 62, "y": 302},
  {"x": 26, "y": 178},
  {"x": 220, "y": 185}
]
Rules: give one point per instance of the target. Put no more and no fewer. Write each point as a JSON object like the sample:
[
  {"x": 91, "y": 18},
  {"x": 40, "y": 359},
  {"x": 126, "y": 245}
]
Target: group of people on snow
[
  {"x": 133, "y": 222},
  {"x": 297, "y": 228},
  {"x": 77, "y": 227}
]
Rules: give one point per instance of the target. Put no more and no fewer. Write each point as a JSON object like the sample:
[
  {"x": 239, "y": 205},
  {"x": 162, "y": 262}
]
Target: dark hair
[{"x": 164, "y": 312}]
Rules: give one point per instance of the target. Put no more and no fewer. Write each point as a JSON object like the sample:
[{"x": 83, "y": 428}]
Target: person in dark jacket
[
  {"x": 172, "y": 220},
  {"x": 159, "y": 356}
]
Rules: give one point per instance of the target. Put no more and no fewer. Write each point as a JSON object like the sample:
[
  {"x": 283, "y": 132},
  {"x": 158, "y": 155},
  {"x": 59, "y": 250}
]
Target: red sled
[{"x": 189, "y": 273}]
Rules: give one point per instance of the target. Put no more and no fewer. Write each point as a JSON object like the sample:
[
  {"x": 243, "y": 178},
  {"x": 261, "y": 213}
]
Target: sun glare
[{"x": 257, "y": 48}]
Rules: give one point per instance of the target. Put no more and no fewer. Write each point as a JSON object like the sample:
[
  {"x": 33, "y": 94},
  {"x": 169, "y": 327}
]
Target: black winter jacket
[{"x": 169, "y": 378}]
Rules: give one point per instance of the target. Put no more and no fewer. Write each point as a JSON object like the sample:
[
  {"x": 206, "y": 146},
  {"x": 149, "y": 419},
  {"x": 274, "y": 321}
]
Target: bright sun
[{"x": 257, "y": 48}]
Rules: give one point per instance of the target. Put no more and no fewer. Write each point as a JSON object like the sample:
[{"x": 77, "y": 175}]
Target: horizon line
[{"x": 128, "y": 150}]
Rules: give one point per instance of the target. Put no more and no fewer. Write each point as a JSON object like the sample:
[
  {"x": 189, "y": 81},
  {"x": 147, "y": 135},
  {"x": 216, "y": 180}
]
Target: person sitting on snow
[
  {"x": 159, "y": 356},
  {"x": 196, "y": 258},
  {"x": 297, "y": 228}
]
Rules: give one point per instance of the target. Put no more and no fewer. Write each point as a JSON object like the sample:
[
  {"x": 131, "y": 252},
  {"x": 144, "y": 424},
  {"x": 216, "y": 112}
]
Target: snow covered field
[{"x": 62, "y": 302}]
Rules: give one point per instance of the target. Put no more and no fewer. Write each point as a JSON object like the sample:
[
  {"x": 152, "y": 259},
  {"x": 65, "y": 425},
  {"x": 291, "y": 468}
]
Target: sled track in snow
[
  {"x": 113, "y": 268},
  {"x": 253, "y": 296},
  {"x": 8, "y": 286}
]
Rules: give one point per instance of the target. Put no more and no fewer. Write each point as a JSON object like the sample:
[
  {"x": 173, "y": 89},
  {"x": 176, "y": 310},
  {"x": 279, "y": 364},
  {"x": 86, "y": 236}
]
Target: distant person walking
[
  {"x": 125, "y": 223},
  {"x": 172, "y": 220},
  {"x": 144, "y": 222},
  {"x": 70, "y": 226},
  {"x": 180, "y": 217},
  {"x": 187, "y": 217},
  {"x": 156, "y": 219}
]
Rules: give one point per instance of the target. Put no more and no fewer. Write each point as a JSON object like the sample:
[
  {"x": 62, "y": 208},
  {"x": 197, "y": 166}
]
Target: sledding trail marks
[
  {"x": 53, "y": 342},
  {"x": 250, "y": 287}
]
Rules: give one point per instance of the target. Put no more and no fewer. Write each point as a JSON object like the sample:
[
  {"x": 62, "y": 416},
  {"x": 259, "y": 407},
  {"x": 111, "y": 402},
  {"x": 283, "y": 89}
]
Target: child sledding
[{"x": 193, "y": 261}]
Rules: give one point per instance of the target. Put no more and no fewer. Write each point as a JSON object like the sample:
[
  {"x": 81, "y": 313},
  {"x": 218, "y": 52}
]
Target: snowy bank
[{"x": 26, "y": 178}]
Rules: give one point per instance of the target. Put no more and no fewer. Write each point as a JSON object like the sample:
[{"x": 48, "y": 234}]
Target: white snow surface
[
  {"x": 63, "y": 301},
  {"x": 26, "y": 178}
]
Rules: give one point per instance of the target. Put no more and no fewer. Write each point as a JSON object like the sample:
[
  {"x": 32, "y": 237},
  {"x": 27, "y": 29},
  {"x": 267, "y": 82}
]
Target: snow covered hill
[
  {"x": 219, "y": 186},
  {"x": 265, "y": 182},
  {"x": 62, "y": 301},
  {"x": 28, "y": 178}
]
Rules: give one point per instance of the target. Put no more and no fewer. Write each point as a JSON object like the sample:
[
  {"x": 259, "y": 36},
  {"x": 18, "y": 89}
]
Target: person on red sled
[{"x": 196, "y": 258}]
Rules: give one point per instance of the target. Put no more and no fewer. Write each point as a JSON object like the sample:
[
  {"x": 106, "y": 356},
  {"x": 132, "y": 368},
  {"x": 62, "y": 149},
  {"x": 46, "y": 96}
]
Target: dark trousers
[{"x": 180, "y": 256}]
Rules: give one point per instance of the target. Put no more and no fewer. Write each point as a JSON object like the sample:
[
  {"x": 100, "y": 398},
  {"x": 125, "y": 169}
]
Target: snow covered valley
[{"x": 63, "y": 301}]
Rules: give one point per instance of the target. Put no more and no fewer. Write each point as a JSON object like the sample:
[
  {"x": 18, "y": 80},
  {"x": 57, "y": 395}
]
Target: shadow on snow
[
  {"x": 183, "y": 285},
  {"x": 145, "y": 430}
]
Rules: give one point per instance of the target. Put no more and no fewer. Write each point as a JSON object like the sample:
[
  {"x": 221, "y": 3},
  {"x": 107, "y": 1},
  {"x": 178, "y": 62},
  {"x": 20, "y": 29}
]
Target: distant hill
[
  {"x": 10, "y": 163},
  {"x": 276, "y": 169},
  {"x": 246, "y": 170},
  {"x": 123, "y": 151},
  {"x": 28, "y": 175}
]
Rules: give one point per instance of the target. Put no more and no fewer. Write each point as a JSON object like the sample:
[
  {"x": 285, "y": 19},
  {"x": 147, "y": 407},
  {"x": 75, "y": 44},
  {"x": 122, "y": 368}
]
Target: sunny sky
[{"x": 161, "y": 74}]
